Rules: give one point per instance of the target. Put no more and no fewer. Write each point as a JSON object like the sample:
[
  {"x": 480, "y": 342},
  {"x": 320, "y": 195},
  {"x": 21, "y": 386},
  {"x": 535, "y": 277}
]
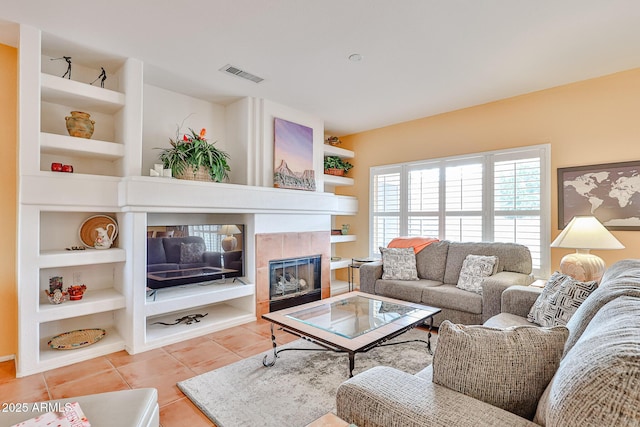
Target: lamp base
[
  {"x": 583, "y": 266},
  {"x": 229, "y": 243}
]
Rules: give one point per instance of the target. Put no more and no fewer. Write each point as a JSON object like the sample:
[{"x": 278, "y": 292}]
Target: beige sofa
[
  {"x": 596, "y": 383},
  {"x": 439, "y": 266}
]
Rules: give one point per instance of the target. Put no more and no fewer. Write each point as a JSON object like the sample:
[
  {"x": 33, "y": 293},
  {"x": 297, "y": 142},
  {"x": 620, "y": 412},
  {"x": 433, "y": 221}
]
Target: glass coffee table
[{"x": 351, "y": 323}]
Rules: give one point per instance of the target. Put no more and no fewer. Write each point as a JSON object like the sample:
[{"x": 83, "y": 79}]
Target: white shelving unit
[
  {"x": 222, "y": 304},
  {"x": 53, "y": 205},
  {"x": 107, "y": 180},
  {"x": 330, "y": 182}
]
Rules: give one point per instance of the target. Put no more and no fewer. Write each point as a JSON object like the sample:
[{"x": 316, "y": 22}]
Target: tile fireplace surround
[{"x": 273, "y": 246}]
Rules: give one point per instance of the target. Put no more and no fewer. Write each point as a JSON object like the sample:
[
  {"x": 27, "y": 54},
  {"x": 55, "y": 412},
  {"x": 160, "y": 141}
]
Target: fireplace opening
[{"x": 294, "y": 281}]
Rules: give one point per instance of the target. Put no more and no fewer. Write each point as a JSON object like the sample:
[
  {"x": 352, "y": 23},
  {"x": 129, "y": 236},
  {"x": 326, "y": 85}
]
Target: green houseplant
[
  {"x": 192, "y": 157},
  {"x": 334, "y": 165}
]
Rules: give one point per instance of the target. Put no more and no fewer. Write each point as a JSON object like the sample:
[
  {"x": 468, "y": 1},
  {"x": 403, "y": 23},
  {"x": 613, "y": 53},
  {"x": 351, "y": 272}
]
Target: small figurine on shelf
[
  {"x": 345, "y": 229},
  {"x": 67, "y": 74},
  {"x": 76, "y": 292},
  {"x": 103, "y": 76},
  {"x": 57, "y": 296},
  {"x": 55, "y": 282}
]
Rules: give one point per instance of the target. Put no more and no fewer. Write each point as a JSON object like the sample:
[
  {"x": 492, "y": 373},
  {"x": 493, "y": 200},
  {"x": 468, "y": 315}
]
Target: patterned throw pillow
[
  {"x": 474, "y": 270},
  {"x": 560, "y": 298},
  {"x": 508, "y": 368},
  {"x": 398, "y": 264},
  {"x": 191, "y": 252}
]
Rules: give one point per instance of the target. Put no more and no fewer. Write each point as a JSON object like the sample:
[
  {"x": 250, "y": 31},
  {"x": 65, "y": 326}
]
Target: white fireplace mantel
[{"x": 146, "y": 194}]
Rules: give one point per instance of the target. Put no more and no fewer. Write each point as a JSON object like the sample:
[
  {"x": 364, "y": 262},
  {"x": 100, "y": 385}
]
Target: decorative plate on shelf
[
  {"x": 88, "y": 232},
  {"x": 76, "y": 339}
]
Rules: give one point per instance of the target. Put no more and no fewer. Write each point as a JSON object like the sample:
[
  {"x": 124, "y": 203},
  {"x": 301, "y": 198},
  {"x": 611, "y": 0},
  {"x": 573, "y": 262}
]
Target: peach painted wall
[
  {"x": 588, "y": 122},
  {"x": 8, "y": 225}
]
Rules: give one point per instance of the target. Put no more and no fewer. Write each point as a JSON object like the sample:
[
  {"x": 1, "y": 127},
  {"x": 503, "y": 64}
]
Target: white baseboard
[{"x": 8, "y": 357}]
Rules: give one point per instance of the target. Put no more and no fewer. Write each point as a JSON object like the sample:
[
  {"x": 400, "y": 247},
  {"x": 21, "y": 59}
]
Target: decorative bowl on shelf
[
  {"x": 76, "y": 292},
  {"x": 57, "y": 296}
]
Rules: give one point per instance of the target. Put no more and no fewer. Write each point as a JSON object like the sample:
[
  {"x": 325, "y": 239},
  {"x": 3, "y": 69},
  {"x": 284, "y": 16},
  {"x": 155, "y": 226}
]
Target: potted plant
[
  {"x": 192, "y": 157},
  {"x": 334, "y": 165}
]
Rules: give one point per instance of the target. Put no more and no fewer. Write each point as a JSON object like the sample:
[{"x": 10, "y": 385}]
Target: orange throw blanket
[{"x": 417, "y": 243}]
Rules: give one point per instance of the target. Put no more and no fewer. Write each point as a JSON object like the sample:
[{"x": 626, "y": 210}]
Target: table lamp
[
  {"x": 229, "y": 243},
  {"x": 584, "y": 233}
]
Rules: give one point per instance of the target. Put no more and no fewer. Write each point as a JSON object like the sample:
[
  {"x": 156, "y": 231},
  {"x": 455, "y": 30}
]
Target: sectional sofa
[{"x": 595, "y": 382}]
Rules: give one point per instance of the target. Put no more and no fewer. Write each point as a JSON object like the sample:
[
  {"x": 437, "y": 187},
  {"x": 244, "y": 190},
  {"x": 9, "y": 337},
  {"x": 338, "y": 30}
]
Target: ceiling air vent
[{"x": 240, "y": 73}]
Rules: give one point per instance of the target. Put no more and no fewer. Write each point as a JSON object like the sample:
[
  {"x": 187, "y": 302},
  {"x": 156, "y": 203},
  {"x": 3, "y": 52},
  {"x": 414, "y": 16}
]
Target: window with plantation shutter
[
  {"x": 491, "y": 196},
  {"x": 385, "y": 208},
  {"x": 517, "y": 202},
  {"x": 424, "y": 201}
]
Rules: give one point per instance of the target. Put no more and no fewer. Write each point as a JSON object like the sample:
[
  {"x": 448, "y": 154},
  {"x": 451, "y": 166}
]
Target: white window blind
[
  {"x": 386, "y": 207},
  {"x": 424, "y": 201},
  {"x": 463, "y": 201},
  {"x": 517, "y": 203},
  {"x": 492, "y": 196}
]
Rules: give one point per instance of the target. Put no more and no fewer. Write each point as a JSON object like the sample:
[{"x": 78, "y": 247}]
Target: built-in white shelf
[
  {"x": 343, "y": 263},
  {"x": 338, "y": 180},
  {"x": 79, "y": 96},
  {"x": 93, "y": 301},
  {"x": 332, "y": 150},
  {"x": 184, "y": 297},
  {"x": 51, "y": 143},
  {"x": 51, "y": 358},
  {"x": 71, "y": 189},
  {"x": 219, "y": 316},
  {"x": 343, "y": 238},
  {"x": 64, "y": 258}
]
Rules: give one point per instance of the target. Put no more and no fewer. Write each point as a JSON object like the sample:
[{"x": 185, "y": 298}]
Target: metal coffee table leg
[{"x": 275, "y": 352}]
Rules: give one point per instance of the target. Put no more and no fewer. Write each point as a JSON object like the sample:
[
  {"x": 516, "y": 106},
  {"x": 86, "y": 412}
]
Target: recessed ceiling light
[{"x": 355, "y": 57}]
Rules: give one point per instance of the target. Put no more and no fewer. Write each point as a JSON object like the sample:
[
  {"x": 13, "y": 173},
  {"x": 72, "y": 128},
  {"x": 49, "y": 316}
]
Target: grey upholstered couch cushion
[
  {"x": 386, "y": 397},
  {"x": 508, "y": 368},
  {"x": 125, "y": 408},
  {"x": 598, "y": 382}
]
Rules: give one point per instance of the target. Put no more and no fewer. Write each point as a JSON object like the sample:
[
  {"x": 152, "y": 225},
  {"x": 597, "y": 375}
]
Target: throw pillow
[
  {"x": 560, "y": 298},
  {"x": 508, "y": 368},
  {"x": 474, "y": 270},
  {"x": 191, "y": 252},
  {"x": 398, "y": 264}
]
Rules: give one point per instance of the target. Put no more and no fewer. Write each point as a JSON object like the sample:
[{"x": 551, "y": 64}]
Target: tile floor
[{"x": 161, "y": 368}]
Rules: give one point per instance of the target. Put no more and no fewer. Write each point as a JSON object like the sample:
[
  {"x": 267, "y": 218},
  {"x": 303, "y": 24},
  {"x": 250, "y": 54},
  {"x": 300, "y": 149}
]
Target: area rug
[{"x": 299, "y": 388}]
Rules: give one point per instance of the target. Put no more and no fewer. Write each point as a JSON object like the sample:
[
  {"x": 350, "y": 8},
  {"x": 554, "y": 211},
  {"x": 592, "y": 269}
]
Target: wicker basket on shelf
[
  {"x": 334, "y": 171},
  {"x": 201, "y": 174}
]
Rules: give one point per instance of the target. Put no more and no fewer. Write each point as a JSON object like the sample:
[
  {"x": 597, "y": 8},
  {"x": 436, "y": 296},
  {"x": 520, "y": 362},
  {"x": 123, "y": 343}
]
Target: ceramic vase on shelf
[{"x": 79, "y": 124}]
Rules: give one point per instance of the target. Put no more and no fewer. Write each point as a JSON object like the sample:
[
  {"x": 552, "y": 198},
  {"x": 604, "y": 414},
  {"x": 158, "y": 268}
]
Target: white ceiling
[{"x": 421, "y": 57}]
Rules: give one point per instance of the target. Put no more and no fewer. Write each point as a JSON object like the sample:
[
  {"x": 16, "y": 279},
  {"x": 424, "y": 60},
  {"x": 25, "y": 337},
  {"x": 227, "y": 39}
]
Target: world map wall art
[{"x": 610, "y": 192}]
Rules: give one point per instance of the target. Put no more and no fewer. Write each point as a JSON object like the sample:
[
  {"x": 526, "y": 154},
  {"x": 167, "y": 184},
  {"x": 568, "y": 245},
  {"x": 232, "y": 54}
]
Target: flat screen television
[{"x": 186, "y": 254}]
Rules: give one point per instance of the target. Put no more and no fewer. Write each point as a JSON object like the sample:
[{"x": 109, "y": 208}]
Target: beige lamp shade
[
  {"x": 584, "y": 233},
  {"x": 229, "y": 243}
]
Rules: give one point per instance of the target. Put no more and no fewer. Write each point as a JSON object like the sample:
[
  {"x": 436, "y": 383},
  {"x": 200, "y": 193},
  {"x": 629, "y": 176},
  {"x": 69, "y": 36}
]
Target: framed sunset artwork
[{"x": 293, "y": 156}]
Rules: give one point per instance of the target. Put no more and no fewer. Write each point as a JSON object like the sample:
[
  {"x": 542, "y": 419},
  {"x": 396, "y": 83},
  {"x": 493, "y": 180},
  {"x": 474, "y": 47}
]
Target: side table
[
  {"x": 356, "y": 263},
  {"x": 539, "y": 283}
]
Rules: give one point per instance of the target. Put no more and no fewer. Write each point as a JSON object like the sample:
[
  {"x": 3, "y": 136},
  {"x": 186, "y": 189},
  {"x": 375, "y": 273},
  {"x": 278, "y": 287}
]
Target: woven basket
[
  {"x": 76, "y": 339},
  {"x": 334, "y": 171},
  {"x": 202, "y": 174}
]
